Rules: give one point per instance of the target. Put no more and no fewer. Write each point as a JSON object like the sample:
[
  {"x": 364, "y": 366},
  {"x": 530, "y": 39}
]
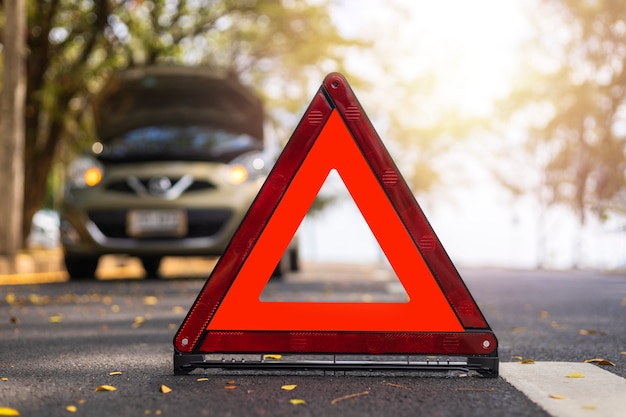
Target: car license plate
[{"x": 155, "y": 223}]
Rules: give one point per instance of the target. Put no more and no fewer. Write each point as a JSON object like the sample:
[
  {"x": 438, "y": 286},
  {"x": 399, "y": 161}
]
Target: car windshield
[{"x": 188, "y": 143}]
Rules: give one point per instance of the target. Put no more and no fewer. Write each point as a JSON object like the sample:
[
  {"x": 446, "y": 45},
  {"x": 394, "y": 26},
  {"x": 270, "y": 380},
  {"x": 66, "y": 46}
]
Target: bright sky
[{"x": 471, "y": 45}]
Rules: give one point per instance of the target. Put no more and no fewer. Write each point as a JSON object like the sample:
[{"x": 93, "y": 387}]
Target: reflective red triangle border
[{"x": 477, "y": 338}]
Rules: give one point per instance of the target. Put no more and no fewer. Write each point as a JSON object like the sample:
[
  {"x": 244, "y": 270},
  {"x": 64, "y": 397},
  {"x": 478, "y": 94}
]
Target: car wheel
[
  {"x": 294, "y": 260},
  {"x": 81, "y": 267},
  {"x": 290, "y": 262},
  {"x": 279, "y": 271},
  {"x": 151, "y": 265}
]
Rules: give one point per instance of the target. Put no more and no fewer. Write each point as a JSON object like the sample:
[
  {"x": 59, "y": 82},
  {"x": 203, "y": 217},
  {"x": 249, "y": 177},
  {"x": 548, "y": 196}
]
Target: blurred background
[{"x": 506, "y": 118}]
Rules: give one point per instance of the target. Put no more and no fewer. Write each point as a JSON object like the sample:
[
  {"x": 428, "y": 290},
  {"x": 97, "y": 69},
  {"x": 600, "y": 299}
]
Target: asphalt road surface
[{"x": 59, "y": 342}]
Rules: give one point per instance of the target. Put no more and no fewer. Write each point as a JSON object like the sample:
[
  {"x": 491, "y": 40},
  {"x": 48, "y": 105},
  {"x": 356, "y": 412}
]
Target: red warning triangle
[{"x": 440, "y": 316}]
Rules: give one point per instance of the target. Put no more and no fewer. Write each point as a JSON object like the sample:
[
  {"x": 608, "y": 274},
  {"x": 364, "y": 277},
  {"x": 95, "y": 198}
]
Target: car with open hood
[{"x": 178, "y": 159}]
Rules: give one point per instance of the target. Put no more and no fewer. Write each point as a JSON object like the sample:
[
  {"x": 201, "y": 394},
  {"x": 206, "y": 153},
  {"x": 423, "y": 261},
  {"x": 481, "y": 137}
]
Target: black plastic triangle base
[{"x": 486, "y": 366}]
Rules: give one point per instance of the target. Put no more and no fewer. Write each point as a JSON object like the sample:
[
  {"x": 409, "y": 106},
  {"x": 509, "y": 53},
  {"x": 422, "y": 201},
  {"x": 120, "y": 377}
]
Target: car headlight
[
  {"x": 248, "y": 167},
  {"x": 84, "y": 172}
]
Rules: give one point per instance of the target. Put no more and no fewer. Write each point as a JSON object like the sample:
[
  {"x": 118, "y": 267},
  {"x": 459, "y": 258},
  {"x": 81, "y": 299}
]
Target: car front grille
[
  {"x": 200, "y": 222},
  {"x": 123, "y": 186}
]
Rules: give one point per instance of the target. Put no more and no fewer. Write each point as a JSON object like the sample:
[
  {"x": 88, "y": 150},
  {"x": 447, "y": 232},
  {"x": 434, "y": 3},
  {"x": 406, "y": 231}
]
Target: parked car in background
[{"x": 178, "y": 159}]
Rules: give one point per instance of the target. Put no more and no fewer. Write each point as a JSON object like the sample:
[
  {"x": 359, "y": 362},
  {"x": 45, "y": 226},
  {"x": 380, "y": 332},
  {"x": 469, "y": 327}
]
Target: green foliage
[{"x": 275, "y": 46}]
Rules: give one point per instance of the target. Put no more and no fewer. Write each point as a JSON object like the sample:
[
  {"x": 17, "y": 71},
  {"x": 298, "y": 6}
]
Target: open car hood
[{"x": 171, "y": 95}]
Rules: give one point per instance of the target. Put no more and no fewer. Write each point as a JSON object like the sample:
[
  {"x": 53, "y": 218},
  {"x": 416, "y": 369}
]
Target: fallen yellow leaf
[
  {"x": 202, "y": 379},
  {"x": 139, "y": 320},
  {"x": 557, "y": 396},
  {"x": 288, "y": 387},
  {"x": 574, "y": 375},
  {"x": 150, "y": 300},
  {"x": 600, "y": 361},
  {"x": 527, "y": 362},
  {"x": 4, "y": 378},
  {"x": 296, "y": 401},
  {"x": 38, "y": 300},
  {"x": 115, "y": 373},
  {"x": 55, "y": 318},
  {"x": 10, "y": 298},
  {"x": 275, "y": 357},
  {"x": 587, "y": 332},
  {"x": 165, "y": 389},
  {"x": 347, "y": 397},
  {"x": 71, "y": 408},
  {"x": 6, "y": 411},
  {"x": 230, "y": 386},
  {"x": 106, "y": 388},
  {"x": 519, "y": 329}
]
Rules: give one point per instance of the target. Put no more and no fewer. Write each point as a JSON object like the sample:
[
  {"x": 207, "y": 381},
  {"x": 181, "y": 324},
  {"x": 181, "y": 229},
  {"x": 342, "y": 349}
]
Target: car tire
[
  {"x": 279, "y": 271},
  {"x": 294, "y": 260},
  {"x": 81, "y": 267},
  {"x": 151, "y": 265},
  {"x": 290, "y": 262}
]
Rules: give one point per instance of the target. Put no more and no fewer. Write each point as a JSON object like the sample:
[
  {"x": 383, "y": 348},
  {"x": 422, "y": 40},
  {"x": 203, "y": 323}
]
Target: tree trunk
[
  {"x": 12, "y": 130},
  {"x": 38, "y": 165}
]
